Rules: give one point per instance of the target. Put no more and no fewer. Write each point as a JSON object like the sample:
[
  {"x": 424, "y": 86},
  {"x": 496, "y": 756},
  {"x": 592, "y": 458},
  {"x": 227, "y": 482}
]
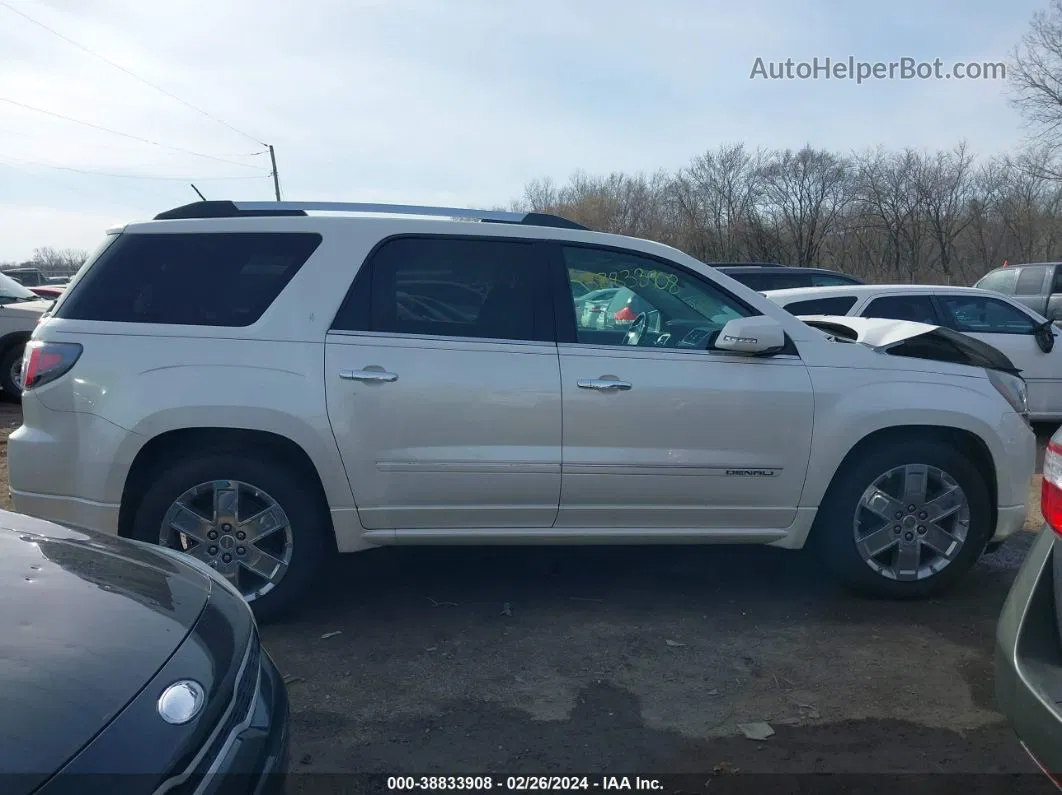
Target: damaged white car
[{"x": 440, "y": 385}]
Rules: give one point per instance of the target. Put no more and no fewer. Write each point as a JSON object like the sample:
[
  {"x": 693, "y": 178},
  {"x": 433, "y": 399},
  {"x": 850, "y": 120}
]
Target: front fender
[{"x": 845, "y": 415}]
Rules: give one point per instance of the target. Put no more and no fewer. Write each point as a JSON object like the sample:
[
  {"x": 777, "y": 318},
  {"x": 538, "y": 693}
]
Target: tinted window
[
  {"x": 216, "y": 279},
  {"x": 917, "y": 308},
  {"x": 1031, "y": 280},
  {"x": 449, "y": 287},
  {"x": 1002, "y": 280},
  {"x": 977, "y": 315},
  {"x": 669, "y": 297},
  {"x": 771, "y": 281},
  {"x": 1056, "y": 280},
  {"x": 831, "y": 280},
  {"x": 821, "y": 306}
]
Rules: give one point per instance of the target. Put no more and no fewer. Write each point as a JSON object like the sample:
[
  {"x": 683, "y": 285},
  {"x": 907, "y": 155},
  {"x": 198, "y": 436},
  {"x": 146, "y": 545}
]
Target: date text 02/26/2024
[{"x": 520, "y": 783}]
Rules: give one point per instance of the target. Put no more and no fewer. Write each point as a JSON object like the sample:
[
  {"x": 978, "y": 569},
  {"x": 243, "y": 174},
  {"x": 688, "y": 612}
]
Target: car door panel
[
  {"x": 443, "y": 385},
  {"x": 1015, "y": 338},
  {"x": 661, "y": 437},
  {"x": 699, "y": 440},
  {"x": 467, "y": 436}
]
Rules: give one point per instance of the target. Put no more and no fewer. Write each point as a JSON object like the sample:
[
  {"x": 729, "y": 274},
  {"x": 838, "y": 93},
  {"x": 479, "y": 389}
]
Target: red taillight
[
  {"x": 626, "y": 315},
  {"x": 46, "y": 361},
  {"x": 1051, "y": 490}
]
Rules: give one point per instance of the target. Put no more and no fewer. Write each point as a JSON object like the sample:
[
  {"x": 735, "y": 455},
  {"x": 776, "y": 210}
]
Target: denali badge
[
  {"x": 753, "y": 473},
  {"x": 749, "y": 340}
]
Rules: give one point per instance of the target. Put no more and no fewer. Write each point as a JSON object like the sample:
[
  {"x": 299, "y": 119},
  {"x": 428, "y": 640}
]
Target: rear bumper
[
  {"x": 69, "y": 467},
  {"x": 1029, "y": 655},
  {"x": 1010, "y": 520}
]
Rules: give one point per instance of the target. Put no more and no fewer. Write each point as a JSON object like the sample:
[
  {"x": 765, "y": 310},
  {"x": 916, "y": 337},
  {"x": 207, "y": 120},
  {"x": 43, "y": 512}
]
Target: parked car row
[
  {"x": 528, "y": 381},
  {"x": 1027, "y": 338}
]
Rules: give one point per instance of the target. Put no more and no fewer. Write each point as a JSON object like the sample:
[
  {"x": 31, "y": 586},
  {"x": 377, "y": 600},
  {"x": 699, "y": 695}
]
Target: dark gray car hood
[{"x": 85, "y": 621}]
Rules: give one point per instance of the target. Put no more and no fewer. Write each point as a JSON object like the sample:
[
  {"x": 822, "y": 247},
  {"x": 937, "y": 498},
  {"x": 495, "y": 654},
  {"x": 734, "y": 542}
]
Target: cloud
[{"x": 461, "y": 101}]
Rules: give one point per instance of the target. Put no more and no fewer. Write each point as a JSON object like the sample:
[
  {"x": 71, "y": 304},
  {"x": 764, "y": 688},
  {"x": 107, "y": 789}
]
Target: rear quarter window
[
  {"x": 1002, "y": 280},
  {"x": 208, "y": 279}
]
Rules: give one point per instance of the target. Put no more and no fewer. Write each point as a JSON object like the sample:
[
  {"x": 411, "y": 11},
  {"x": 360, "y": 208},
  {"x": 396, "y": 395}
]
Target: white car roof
[{"x": 807, "y": 293}]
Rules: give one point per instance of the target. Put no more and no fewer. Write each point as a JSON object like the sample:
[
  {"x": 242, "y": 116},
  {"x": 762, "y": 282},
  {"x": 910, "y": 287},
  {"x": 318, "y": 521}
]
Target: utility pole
[{"x": 276, "y": 178}]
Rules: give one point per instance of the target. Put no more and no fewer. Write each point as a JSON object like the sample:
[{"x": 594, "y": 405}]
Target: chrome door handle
[
  {"x": 368, "y": 375},
  {"x": 605, "y": 384}
]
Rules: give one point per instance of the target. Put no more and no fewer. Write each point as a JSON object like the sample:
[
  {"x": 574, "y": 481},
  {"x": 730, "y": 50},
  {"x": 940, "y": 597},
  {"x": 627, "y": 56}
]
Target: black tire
[
  {"x": 12, "y": 391},
  {"x": 313, "y": 539},
  {"x": 833, "y": 536}
]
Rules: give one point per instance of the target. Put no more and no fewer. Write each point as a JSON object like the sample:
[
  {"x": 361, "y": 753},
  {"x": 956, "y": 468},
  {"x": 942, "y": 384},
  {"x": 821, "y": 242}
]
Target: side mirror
[
  {"x": 753, "y": 336},
  {"x": 1045, "y": 336}
]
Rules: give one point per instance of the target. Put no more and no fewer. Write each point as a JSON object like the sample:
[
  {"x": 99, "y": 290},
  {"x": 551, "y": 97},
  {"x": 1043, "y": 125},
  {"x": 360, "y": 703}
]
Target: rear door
[
  {"x": 443, "y": 386},
  {"x": 1010, "y": 329}
]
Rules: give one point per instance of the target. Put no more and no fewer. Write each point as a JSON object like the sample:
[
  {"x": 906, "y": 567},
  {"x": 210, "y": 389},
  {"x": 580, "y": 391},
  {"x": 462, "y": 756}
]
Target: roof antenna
[{"x": 201, "y": 196}]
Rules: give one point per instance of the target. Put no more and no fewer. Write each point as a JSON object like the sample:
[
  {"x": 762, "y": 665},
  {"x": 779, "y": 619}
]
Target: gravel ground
[{"x": 630, "y": 660}]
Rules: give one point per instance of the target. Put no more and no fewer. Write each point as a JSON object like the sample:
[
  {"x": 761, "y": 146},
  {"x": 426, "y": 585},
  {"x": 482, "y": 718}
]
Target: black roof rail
[
  {"x": 230, "y": 209},
  {"x": 218, "y": 209}
]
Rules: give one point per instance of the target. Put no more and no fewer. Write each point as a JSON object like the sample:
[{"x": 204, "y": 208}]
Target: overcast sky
[{"x": 452, "y": 101}]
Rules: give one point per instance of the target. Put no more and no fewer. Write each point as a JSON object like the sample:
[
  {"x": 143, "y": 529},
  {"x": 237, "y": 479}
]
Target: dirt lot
[{"x": 619, "y": 661}]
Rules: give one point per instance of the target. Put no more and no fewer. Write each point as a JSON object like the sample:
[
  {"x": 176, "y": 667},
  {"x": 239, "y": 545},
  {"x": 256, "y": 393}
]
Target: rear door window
[
  {"x": 831, "y": 280},
  {"x": 1031, "y": 280},
  {"x": 838, "y": 305},
  {"x": 771, "y": 281},
  {"x": 916, "y": 308},
  {"x": 452, "y": 287},
  {"x": 200, "y": 279}
]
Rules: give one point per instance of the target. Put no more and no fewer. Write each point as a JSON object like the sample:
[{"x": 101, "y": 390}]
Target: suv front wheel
[
  {"x": 905, "y": 520},
  {"x": 252, "y": 519}
]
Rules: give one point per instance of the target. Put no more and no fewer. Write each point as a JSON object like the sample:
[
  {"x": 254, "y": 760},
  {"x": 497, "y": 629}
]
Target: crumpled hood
[
  {"x": 914, "y": 340},
  {"x": 876, "y": 332}
]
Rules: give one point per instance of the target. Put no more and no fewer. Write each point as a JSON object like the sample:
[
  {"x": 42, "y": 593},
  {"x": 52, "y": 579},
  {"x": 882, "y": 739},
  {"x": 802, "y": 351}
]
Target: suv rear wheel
[
  {"x": 252, "y": 519},
  {"x": 11, "y": 372},
  {"x": 904, "y": 521}
]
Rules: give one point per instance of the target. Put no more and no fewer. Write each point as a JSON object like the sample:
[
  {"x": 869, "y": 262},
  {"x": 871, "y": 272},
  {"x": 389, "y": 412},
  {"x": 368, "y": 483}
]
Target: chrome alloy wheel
[
  {"x": 911, "y": 522},
  {"x": 16, "y": 373},
  {"x": 236, "y": 529}
]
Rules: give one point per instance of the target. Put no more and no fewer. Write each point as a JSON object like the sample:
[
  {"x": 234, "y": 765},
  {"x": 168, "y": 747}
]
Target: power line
[
  {"x": 132, "y": 74},
  {"x": 124, "y": 135},
  {"x": 126, "y": 176}
]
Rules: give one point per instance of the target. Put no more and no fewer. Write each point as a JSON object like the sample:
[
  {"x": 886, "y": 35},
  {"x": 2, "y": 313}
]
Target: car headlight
[
  {"x": 1013, "y": 389},
  {"x": 188, "y": 560}
]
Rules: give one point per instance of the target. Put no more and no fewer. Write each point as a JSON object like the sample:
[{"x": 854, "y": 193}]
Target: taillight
[
  {"x": 626, "y": 315},
  {"x": 1051, "y": 490},
  {"x": 46, "y": 361}
]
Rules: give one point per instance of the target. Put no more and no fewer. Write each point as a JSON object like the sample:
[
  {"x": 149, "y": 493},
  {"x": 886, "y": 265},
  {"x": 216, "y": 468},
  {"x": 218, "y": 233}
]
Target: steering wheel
[{"x": 637, "y": 330}]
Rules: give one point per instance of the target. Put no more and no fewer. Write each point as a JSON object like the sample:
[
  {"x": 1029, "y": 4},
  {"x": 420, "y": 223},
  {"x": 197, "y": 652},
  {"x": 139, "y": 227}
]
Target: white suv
[{"x": 260, "y": 385}]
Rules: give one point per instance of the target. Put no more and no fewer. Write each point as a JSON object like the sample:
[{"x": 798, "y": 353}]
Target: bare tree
[
  {"x": 804, "y": 195},
  {"x": 944, "y": 191},
  {"x": 1036, "y": 73}
]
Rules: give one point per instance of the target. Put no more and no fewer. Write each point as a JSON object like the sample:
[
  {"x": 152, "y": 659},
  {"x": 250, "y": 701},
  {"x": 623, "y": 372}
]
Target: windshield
[{"x": 10, "y": 290}]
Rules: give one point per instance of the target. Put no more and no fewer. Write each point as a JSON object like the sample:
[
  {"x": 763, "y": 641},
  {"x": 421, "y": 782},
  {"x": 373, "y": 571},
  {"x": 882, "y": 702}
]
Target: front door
[
  {"x": 1008, "y": 328},
  {"x": 661, "y": 433},
  {"x": 443, "y": 387}
]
